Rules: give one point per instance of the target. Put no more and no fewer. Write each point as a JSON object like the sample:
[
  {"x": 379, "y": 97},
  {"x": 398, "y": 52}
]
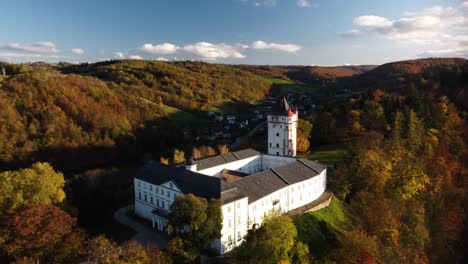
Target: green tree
[
  {"x": 196, "y": 219},
  {"x": 39, "y": 184},
  {"x": 273, "y": 242}
]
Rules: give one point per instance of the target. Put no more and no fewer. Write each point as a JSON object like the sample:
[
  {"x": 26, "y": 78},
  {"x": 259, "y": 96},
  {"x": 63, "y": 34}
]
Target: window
[
  {"x": 144, "y": 185},
  {"x": 277, "y": 145},
  {"x": 151, "y": 187},
  {"x": 145, "y": 197},
  {"x": 229, "y": 240},
  {"x": 175, "y": 195},
  {"x": 163, "y": 206},
  {"x": 277, "y": 153},
  {"x": 229, "y": 209},
  {"x": 151, "y": 197},
  {"x": 270, "y": 144},
  {"x": 277, "y": 134},
  {"x": 139, "y": 195},
  {"x": 229, "y": 223},
  {"x": 168, "y": 194},
  {"x": 170, "y": 185},
  {"x": 238, "y": 220},
  {"x": 157, "y": 202},
  {"x": 239, "y": 237},
  {"x": 238, "y": 205},
  {"x": 139, "y": 183},
  {"x": 162, "y": 191}
]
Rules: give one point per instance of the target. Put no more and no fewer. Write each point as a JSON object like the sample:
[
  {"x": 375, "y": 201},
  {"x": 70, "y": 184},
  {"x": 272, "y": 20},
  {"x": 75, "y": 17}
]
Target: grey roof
[
  {"x": 266, "y": 182},
  {"x": 280, "y": 108},
  {"x": 230, "y": 195},
  {"x": 190, "y": 182},
  {"x": 254, "y": 186},
  {"x": 225, "y": 158}
]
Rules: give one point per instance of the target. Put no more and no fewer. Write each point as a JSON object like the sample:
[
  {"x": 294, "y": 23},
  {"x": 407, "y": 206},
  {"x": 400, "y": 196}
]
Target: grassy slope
[
  {"x": 286, "y": 86},
  {"x": 319, "y": 229},
  {"x": 328, "y": 154}
]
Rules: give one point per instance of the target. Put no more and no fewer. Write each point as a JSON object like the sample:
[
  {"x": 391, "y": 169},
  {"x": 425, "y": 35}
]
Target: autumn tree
[
  {"x": 102, "y": 250},
  {"x": 39, "y": 184},
  {"x": 178, "y": 157},
  {"x": 36, "y": 230},
  {"x": 356, "y": 247}
]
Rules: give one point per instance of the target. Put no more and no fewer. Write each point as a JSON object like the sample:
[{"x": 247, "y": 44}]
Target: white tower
[{"x": 282, "y": 130}]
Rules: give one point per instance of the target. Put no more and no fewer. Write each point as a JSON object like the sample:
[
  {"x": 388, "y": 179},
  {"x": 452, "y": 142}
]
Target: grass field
[
  {"x": 319, "y": 229},
  {"x": 330, "y": 154},
  {"x": 181, "y": 116},
  {"x": 271, "y": 79}
]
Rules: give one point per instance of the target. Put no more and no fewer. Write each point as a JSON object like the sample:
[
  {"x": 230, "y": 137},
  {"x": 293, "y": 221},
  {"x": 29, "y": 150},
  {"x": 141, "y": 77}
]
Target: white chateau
[{"x": 250, "y": 184}]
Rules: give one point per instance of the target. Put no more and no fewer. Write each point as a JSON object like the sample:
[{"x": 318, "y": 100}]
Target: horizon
[{"x": 306, "y": 32}]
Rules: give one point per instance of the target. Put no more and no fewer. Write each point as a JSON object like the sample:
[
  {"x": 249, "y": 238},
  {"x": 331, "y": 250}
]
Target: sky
[{"x": 275, "y": 32}]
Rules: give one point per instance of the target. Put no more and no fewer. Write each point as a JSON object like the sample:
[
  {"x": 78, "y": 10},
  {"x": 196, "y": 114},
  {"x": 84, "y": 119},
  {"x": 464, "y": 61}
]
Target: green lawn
[
  {"x": 181, "y": 116},
  {"x": 327, "y": 154},
  {"x": 319, "y": 229},
  {"x": 275, "y": 80}
]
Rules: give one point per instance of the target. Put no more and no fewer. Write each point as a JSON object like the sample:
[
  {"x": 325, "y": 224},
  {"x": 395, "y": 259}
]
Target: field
[
  {"x": 181, "y": 116},
  {"x": 319, "y": 229},
  {"x": 330, "y": 154}
]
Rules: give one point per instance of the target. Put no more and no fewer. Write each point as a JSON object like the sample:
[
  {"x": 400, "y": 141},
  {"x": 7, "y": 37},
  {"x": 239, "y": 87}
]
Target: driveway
[{"x": 146, "y": 235}]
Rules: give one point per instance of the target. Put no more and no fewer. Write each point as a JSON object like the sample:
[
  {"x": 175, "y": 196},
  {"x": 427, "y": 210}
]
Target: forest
[
  {"x": 400, "y": 189},
  {"x": 102, "y": 112}
]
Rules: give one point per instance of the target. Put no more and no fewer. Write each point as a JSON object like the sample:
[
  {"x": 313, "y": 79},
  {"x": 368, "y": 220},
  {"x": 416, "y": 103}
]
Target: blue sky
[{"x": 305, "y": 32}]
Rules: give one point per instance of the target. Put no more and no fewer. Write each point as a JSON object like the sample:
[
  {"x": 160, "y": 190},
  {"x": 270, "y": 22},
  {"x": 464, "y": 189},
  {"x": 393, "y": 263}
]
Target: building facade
[
  {"x": 250, "y": 185},
  {"x": 282, "y": 130}
]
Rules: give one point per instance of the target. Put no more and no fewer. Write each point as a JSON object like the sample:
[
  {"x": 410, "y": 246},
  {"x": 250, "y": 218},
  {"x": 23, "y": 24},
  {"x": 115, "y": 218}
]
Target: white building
[
  {"x": 282, "y": 130},
  {"x": 250, "y": 185}
]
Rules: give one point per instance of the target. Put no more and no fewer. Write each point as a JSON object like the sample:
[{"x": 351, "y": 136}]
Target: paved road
[{"x": 146, "y": 235}]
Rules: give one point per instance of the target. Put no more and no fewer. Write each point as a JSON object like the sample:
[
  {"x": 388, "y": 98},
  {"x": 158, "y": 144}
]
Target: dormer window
[{"x": 170, "y": 185}]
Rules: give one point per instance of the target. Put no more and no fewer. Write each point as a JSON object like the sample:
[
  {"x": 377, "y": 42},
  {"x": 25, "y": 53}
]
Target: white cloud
[
  {"x": 261, "y": 45},
  {"x": 209, "y": 51},
  {"x": 78, "y": 51},
  {"x": 441, "y": 29},
  {"x": 372, "y": 21},
  {"x": 37, "y": 47},
  {"x": 162, "y": 59},
  {"x": 119, "y": 55},
  {"x": 265, "y": 3},
  {"x": 165, "y": 48},
  {"x": 351, "y": 33},
  {"x": 135, "y": 57},
  {"x": 303, "y": 3}
]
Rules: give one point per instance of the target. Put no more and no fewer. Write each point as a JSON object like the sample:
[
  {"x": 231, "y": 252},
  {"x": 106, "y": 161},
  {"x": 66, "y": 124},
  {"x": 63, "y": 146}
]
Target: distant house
[
  {"x": 231, "y": 119},
  {"x": 219, "y": 118}
]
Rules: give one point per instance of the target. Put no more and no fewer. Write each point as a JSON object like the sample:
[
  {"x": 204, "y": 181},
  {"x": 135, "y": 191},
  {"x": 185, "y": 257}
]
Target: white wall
[
  {"x": 248, "y": 165},
  {"x": 235, "y": 217},
  {"x": 273, "y": 161},
  {"x": 282, "y": 135}
]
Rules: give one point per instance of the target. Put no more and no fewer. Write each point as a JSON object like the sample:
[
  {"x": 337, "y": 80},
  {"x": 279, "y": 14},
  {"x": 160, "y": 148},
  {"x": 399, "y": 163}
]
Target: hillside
[
  {"x": 83, "y": 115},
  {"x": 307, "y": 74},
  {"x": 414, "y": 67}
]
